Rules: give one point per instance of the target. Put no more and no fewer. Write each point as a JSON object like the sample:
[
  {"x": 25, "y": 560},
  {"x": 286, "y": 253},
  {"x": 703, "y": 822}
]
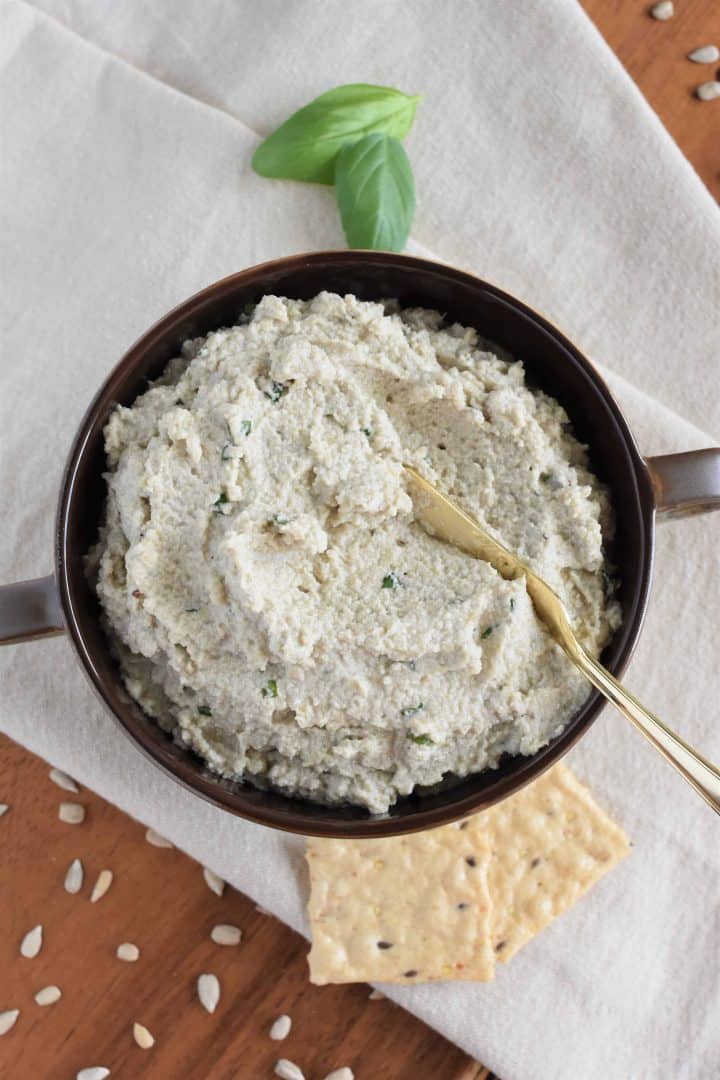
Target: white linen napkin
[{"x": 538, "y": 166}]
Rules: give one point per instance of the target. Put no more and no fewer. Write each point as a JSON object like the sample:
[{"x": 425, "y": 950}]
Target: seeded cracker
[
  {"x": 394, "y": 910},
  {"x": 405, "y": 909},
  {"x": 550, "y": 843}
]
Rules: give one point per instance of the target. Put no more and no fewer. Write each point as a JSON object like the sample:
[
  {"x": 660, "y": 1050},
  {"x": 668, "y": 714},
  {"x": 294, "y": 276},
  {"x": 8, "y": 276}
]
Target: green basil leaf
[
  {"x": 305, "y": 146},
  {"x": 375, "y": 192}
]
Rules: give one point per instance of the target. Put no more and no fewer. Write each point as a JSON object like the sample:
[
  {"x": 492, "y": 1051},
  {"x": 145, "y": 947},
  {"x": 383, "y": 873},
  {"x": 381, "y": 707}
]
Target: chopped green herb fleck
[
  {"x": 276, "y": 392},
  {"x": 192, "y": 609},
  {"x": 269, "y": 689},
  {"x": 412, "y": 664},
  {"x": 421, "y": 740},
  {"x": 367, "y": 431},
  {"x": 204, "y": 710},
  {"x": 486, "y": 632},
  {"x": 610, "y": 584},
  {"x": 221, "y": 500},
  {"x": 391, "y": 581},
  {"x": 412, "y": 710},
  {"x": 512, "y": 603},
  {"x": 224, "y": 455},
  {"x": 280, "y": 519},
  {"x": 552, "y": 481},
  {"x": 246, "y": 427},
  {"x": 179, "y": 401}
]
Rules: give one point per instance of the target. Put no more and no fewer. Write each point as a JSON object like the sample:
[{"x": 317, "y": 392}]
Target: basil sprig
[
  {"x": 349, "y": 137},
  {"x": 305, "y": 146}
]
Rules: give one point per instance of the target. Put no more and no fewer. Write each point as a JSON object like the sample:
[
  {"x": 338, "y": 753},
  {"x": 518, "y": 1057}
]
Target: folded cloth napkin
[{"x": 126, "y": 185}]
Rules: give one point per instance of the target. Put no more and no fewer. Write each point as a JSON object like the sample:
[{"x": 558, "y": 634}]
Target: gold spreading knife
[{"x": 442, "y": 518}]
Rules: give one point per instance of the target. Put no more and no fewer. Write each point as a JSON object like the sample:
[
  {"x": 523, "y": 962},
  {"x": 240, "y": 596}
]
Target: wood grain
[
  {"x": 655, "y": 55},
  {"x": 159, "y": 899}
]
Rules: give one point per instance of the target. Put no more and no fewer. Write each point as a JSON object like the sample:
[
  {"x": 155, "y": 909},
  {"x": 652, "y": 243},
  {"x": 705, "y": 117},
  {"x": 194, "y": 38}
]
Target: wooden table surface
[
  {"x": 159, "y": 899},
  {"x": 655, "y": 54}
]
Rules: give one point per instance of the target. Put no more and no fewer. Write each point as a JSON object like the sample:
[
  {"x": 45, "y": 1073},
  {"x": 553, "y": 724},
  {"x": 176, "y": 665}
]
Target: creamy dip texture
[{"x": 271, "y": 599}]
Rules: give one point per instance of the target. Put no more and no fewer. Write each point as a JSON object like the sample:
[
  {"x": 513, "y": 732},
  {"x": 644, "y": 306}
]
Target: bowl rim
[{"x": 212, "y": 788}]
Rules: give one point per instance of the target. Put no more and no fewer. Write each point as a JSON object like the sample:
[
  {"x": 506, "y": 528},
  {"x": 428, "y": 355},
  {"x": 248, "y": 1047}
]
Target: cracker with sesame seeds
[
  {"x": 404, "y": 909},
  {"x": 409, "y": 909},
  {"x": 550, "y": 843}
]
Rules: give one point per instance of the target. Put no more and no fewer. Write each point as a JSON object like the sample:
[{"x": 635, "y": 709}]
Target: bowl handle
[
  {"x": 685, "y": 484},
  {"x": 29, "y": 610}
]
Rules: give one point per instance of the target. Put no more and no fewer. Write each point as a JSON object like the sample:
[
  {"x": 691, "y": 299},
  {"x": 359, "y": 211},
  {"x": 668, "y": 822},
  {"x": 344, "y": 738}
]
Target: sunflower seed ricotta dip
[{"x": 272, "y": 601}]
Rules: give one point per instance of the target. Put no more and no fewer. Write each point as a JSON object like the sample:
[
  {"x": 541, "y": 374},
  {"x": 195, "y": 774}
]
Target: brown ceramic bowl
[{"x": 677, "y": 484}]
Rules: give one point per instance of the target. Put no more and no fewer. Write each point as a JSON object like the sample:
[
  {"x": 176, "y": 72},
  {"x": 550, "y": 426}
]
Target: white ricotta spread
[{"x": 272, "y": 601}]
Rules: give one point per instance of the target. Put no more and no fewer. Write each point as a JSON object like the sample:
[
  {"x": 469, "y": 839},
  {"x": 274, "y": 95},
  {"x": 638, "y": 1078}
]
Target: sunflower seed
[
  {"x": 74, "y": 877},
  {"x": 3, "y": 808},
  {"x": 128, "y": 952},
  {"x": 95, "y": 1072},
  {"x": 7, "y": 1020},
  {"x": 142, "y": 1037},
  {"x": 208, "y": 989},
  {"x": 101, "y": 886},
  {"x": 63, "y": 780},
  {"x": 706, "y": 54},
  {"x": 288, "y": 1070},
  {"x": 224, "y": 934},
  {"x": 663, "y": 11},
  {"x": 71, "y": 813},
  {"x": 213, "y": 881},
  {"x": 31, "y": 944},
  {"x": 156, "y": 839},
  {"x": 376, "y": 995},
  {"x": 345, "y": 1073},
  {"x": 48, "y": 995},
  {"x": 281, "y": 1028},
  {"x": 709, "y": 91}
]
